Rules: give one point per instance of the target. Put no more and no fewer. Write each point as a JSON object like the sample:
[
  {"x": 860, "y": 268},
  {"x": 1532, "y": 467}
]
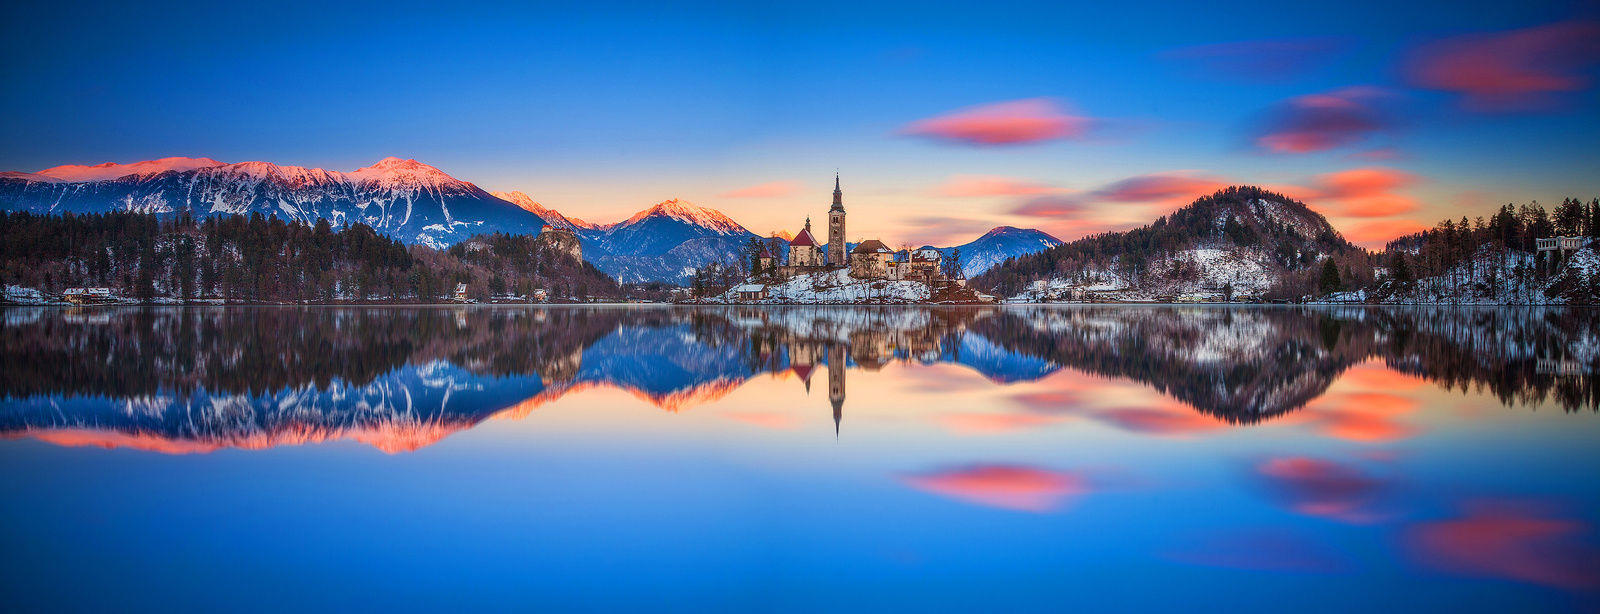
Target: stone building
[{"x": 871, "y": 259}]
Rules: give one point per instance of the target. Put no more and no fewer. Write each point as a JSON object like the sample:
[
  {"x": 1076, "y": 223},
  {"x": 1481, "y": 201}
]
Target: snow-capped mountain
[
  {"x": 405, "y": 199},
  {"x": 551, "y": 216},
  {"x": 665, "y": 242},
  {"x": 1000, "y": 243}
]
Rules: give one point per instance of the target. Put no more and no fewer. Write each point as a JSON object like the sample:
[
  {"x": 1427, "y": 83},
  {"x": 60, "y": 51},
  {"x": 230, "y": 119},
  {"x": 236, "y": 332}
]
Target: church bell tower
[{"x": 836, "y": 227}]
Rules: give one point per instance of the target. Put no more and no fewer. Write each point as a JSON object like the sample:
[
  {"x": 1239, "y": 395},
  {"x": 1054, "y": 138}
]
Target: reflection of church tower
[
  {"x": 836, "y": 226},
  {"x": 836, "y": 384}
]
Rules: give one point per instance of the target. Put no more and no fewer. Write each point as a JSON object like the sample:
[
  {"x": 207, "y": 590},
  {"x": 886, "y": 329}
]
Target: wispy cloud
[
  {"x": 1275, "y": 59},
  {"x": 1513, "y": 70},
  {"x": 1014, "y": 122},
  {"x": 771, "y": 189},
  {"x": 975, "y": 186},
  {"x": 1319, "y": 122}
]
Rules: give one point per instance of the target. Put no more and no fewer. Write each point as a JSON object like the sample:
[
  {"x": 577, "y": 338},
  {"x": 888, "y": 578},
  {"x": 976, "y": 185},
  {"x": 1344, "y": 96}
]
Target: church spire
[{"x": 838, "y": 194}]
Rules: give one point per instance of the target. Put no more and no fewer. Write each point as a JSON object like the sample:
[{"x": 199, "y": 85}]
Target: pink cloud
[
  {"x": 771, "y": 189},
  {"x": 1012, "y": 487},
  {"x": 1511, "y": 541},
  {"x": 991, "y": 185},
  {"x": 1512, "y": 70},
  {"x": 1319, "y": 122},
  {"x": 1003, "y": 123},
  {"x": 1160, "y": 188}
]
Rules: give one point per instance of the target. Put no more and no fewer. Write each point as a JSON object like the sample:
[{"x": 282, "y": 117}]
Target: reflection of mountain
[
  {"x": 1242, "y": 365},
  {"x": 1246, "y": 365},
  {"x": 402, "y": 378}
]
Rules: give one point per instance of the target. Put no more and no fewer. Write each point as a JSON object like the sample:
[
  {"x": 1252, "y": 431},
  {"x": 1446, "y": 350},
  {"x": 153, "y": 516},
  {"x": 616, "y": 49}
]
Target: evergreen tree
[{"x": 1329, "y": 281}]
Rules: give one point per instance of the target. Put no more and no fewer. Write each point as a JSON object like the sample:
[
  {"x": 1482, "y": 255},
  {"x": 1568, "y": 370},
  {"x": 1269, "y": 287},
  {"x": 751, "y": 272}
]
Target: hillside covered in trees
[
  {"x": 1241, "y": 241},
  {"x": 1493, "y": 259},
  {"x": 261, "y": 259}
]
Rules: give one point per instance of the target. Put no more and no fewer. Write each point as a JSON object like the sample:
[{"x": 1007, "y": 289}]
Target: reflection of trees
[
  {"x": 135, "y": 352},
  {"x": 1523, "y": 356},
  {"x": 1239, "y": 365},
  {"x": 1245, "y": 365},
  {"x": 255, "y": 375}
]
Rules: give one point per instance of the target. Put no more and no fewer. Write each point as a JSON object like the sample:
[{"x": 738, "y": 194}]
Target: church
[{"x": 869, "y": 259}]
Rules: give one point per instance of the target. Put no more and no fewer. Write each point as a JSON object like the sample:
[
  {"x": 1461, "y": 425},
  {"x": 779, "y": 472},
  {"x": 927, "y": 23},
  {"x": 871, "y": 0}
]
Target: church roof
[
  {"x": 871, "y": 246},
  {"x": 804, "y": 238}
]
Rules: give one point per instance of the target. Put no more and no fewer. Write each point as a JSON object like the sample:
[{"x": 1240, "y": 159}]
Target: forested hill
[
  {"x": 263, "y": 259},
  {"x": 1242, "y": 237}
]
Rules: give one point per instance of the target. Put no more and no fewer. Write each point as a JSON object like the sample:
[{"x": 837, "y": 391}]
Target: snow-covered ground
[
  {"x": 1503, "y": 278},
  {"x": 1197, "y": 274},
  {"x": 837, "y": 288}
]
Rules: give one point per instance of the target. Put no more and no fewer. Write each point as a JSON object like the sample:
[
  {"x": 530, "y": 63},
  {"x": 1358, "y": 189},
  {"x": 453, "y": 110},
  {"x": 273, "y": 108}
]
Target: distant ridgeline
[
  {"x": 1249, "y": 243},
  {"x": 265, "y": 259},
  {"x": 188, "y": 380}
]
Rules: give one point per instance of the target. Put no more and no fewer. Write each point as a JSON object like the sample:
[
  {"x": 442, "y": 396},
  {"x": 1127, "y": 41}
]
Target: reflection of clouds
[
  {"x": 1261, "y": 550},
  {"x": 765, "y": 419},
  {"x": 1368, "y": 409},
  {"x": 1012, "y": 487},
  {"x": 1160, "y": 420},
  {"x": 977, "y": 423},
  {"x": 1322, "y": 488},
  {"x": 1499, "y": 539},
  {"x": 1364, "y": 417}
]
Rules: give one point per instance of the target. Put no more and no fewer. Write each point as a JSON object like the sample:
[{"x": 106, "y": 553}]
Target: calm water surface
[{"x": 1034, "y": 458}]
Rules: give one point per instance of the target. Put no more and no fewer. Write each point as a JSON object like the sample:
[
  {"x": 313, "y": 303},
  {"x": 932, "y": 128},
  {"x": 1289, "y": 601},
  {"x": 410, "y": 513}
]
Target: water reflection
[
  {"x": 194, "y": 380},
  {"x": 1360, "y": 457}
]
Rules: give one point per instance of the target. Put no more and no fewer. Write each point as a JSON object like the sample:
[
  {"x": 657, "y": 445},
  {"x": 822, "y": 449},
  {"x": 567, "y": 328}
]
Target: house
[
  {"x": 461, "y": 293},
  {"x": 871, "y": 259},
  {"x": 751, "y": 292},
  {"x": 541, "y": 295},
  {"x": 84, "y": 296}
]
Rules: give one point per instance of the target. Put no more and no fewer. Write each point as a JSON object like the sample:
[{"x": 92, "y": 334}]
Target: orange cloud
[
  {"x": 968, "y": 186},
  {"x": 1012, "y": 487},
  {"x": 1377, "y": 233},
  {"x": 1508, "y": 541},
  {"x": 771, "y": 189},
  {"x": 1511, "y": 70},
  {"x": 1004, "y": 123},
  {"x": 1178, "y": 186},
  {"x": 1363, "y": 182}
]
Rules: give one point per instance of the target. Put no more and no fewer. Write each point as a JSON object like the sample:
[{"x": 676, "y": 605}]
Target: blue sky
[{"x": 601, "y": 110}]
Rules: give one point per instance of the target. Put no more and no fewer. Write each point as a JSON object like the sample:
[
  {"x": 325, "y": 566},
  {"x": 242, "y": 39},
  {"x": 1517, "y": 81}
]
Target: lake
[{"x": 800, "y": 458}]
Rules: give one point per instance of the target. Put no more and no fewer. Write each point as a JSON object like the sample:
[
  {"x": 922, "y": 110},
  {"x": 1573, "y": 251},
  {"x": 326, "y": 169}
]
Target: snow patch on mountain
[{"x": 111, "y": 170}]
